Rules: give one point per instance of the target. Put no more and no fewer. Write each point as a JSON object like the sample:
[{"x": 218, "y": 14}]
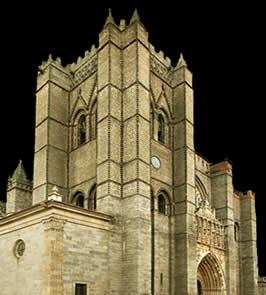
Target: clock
[{"x": 155, "y": 161}]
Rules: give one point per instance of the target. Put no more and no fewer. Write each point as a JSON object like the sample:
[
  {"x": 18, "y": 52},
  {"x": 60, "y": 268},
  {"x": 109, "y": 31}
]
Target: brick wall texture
[{"x": 137, "y": 211}]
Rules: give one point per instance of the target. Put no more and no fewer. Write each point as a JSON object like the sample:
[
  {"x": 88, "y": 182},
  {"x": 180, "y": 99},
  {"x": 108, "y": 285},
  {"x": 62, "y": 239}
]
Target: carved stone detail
[
  {"x": 53, "y": 224},
  {"x": 161, "y": 70},
  {"x": 84, "y": 71},
  {"x": 210, "y": 231}
]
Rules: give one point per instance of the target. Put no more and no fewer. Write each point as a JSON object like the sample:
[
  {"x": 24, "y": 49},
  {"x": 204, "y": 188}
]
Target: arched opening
[
  {"x": 152, "y": 120},
  {"x": 93, "y": 121},
  {"x": 161, "y": 129},
  {"x": 82, "y": 130},
  {"x": 236, "y": 232},
  {"x": 92, "y": 204},
  {"x": 209, "y": 277},
  {"x": 161, "y": 204},
  {"x": 199, "y": 288},
  {"x": 78, "y": 200}
]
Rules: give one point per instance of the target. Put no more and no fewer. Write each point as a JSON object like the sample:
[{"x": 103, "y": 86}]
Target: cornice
[{"x": 42, "y": 211}]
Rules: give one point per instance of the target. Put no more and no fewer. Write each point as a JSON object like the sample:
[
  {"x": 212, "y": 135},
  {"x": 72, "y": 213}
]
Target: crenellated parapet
[
  {"x": 201, "y": 164},
  {"x": 78, "y": 71},
  {"x": 248, "y": 195}
]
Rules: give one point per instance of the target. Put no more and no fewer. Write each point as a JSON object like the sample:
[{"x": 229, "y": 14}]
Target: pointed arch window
[
  {"x": 82, "y": 130},
  {"x": 161, "y": 129}
]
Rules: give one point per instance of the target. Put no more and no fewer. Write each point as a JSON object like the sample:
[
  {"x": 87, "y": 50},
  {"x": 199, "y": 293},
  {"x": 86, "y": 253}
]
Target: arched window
[
  {"x": 236, "y": 232},
  {"x": 92, "y": 204},
  {"x": 82, "y": 130},
  {"x": 78, "y": 200},
  {"x": 93, "y": 121},
  {"x": 161, "y": 204},
  {"x": 152, "y": 121},
  {"x": 161, "y": 129}
]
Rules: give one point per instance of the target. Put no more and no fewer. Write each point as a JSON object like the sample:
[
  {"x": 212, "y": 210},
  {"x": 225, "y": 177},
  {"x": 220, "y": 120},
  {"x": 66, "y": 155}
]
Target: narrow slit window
[
  {"x": 82, "y": 130},
  {"x": 161, "y": 204},
  {"x": 92, "y": 205},
  {"x": 236, "y": 232},
  {"x": 161, "y": 129}
]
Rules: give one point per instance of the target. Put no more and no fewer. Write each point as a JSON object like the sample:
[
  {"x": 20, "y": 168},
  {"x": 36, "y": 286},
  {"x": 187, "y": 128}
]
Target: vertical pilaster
[
  {"x": 184, "y": 182},
  {"x": 109, "y": 141},
  {"x": 222, "y": 197},
  {"x": 51, "y": 131},
  {"x": 109, "y": 120},
  {"x": 53, "y": 257},
  {"x": 136, "y": 160},
  {"x": 248, "y": 245}
]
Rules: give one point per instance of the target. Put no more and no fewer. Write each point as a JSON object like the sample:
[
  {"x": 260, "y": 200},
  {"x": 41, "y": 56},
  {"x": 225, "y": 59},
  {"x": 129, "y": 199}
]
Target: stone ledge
[
  {"x": 42, "y": 211},
  {"x": 224, "y": 166}
]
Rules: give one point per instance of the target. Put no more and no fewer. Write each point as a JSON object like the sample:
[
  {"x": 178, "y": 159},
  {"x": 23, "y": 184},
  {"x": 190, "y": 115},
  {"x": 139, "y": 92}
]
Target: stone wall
[
  {"x": 64, "y": 245},
  {"x": 22, "y": 275}
]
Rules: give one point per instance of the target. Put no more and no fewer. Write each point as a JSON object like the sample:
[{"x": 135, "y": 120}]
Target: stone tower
[
  {"x": 121, "y": 203},
  {"x": 100, "y": 121},
  {"x": 19, "y": 191}
]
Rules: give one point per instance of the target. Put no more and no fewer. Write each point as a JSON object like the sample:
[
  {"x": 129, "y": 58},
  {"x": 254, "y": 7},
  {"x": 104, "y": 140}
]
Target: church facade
[{"x": 120, "y": 202}]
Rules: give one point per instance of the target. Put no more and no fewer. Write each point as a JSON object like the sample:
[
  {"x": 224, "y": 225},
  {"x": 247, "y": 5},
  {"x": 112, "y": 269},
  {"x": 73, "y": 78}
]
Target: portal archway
[{"x": 210, "y": 278}]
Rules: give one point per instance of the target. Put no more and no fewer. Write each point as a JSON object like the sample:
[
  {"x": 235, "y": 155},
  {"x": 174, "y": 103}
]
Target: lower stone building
[{"x": 120, "y": 202}]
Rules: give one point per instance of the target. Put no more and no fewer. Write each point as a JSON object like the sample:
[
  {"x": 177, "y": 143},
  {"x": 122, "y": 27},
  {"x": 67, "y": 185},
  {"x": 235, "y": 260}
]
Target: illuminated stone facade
[{"x": 120, "y": 202}]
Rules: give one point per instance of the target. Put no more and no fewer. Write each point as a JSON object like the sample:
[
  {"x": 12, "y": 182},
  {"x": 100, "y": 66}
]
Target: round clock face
[{"x": 156, "y": 163}]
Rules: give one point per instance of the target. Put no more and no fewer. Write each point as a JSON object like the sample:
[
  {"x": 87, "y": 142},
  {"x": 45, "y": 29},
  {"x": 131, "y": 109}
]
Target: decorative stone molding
[
  {"x": 210, "y": 231},
  {"x": 53, "y": 224},
  {"x": 161, "y": 70},
  {"x": 55, "y": 195},
  {"x": 84, "y": 71}
]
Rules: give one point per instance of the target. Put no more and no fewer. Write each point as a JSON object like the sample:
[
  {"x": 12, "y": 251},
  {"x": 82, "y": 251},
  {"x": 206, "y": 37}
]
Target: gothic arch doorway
[{"x": 210, "y": 279}]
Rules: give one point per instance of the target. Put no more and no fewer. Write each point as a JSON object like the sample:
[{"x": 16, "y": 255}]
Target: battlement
[
  {"x": 82, "y": 60},
  {"x": 202, "y": 164},
  {"x": 71, "y": 68},
  {"x": 166, "y": 61},
  {"x": 85, "y": 64},
  {"x": 248, "y": 195},
  {"x": 221, "y": 167}
]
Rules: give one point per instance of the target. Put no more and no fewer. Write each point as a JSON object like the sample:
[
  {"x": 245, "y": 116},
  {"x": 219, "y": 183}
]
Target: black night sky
[{"x": 223, "y": 45}]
